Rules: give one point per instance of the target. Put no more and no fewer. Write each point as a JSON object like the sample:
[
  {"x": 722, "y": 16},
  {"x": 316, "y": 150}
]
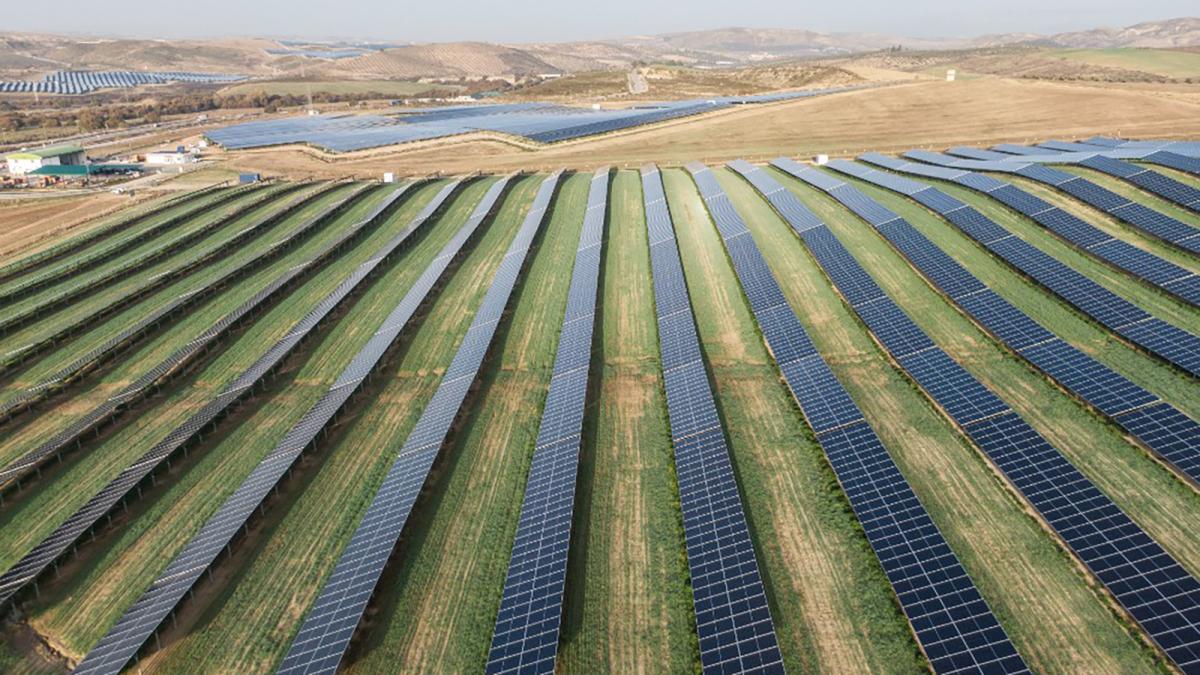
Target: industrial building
[
  {"x": 28, "y": 161},
  {"x": 177, "y": 156}
]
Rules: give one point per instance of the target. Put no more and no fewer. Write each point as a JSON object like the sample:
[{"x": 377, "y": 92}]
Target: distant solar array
[
  {"x": 540, "y": 122},
  {"x": 85, "y": 81}
]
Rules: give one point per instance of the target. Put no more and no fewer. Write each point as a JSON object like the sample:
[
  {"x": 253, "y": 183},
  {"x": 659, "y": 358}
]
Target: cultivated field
[{"x": 77, "y": 274}]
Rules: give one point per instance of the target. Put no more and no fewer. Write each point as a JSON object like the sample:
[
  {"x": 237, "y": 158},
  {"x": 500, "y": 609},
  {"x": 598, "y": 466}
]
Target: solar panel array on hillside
[
  {"x": 1158, "y": 425},
  {"x": 1139, "y": 216},
  {"x": 1151, "y": 181},
  {"x": 84, "y": 81},
  {"x": 63, "y": 376},
  {"x": 66, "y": 293},
  {"x": 540, "y": 122},
  {"x": 68, "y": 533},
  {"x": 142, "y": 619},
  {"x": 733, "y": 619},
  {"x": 1168, "y": 276},
  {"x": 526, "y": 633},
  {"x": 952, "y": 622},
  {"x": 1146, "y": 580},
  {"x": 1127, "y": 320},
  {"x": 327, "y": 629}
]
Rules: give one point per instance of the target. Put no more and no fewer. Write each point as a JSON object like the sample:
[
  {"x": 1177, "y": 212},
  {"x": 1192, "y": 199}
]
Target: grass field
[
  {"x": 911, "y": 115},
  {"x": 627, "y": 601},
  {"x": 1165, "y": 62}
]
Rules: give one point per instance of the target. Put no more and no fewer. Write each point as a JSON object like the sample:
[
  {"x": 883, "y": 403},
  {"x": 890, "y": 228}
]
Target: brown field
[
  {"x": 29, "y": 224},
  {"x": 893, "y": 118}
]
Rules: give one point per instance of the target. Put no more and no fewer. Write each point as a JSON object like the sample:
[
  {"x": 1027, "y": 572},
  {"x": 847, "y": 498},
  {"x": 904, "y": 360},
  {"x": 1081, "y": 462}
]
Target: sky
[{"x": 557, "y": 21}]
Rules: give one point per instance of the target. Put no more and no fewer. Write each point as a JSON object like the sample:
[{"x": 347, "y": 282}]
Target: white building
[
  {"x": 28, "y": 161},
  {"x": 165, "y": 157}
]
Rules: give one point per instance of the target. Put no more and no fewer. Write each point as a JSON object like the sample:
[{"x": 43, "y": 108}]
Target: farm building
[
  {"x": 27, "y": 161},
  {"x": 170, "y": 157}
]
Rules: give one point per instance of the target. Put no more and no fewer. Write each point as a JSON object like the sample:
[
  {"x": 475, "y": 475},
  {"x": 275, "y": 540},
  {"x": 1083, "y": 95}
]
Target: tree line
[{"x": 99, "y": 113}]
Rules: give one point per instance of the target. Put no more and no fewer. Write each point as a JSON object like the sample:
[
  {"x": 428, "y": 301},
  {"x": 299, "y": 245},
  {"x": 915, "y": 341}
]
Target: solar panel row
[
  {"x": 1181, "y": 148},
  {"x": 1169, "y": 277},
  {"x": 51, "y": 254},
  {"x": 145, "y": 384},
  {"x": 49, "y": 302},
  {"x": 1122, "y": 317},
  {"x": 1140, "y": 217},
  {"x": 733, "y": 620},
  {"x": 952, "y": 622},
  {"x": 69, "y": 373},
  {"x": 1151, "y": 181},
  {"x": 1152, "y": 587},
  {"x": 125, "y": 638},
  {"x": 84, "y": 81},
  {"x": 68, "y": 533},
  {"x": 1144, "y": 578},
  {"x": 1174, "y": 161},
  {"x": 330, "y": 624},
  {"x": 526, "y": 632},
  {"x": 99, "y": 254},
  {"x": 1170, "y": 433}
]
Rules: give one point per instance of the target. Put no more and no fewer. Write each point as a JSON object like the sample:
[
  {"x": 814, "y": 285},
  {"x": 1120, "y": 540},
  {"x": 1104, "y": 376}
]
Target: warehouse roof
[{"x": 44, "y": 153}]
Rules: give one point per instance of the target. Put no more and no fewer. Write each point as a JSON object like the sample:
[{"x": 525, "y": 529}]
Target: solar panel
[
  {"x": 732, "y": 616},
  {"x": 68, "y": 533},
  {"x": 97, "y": 255},
  {"x": 1161, "y": 596},
  {"x": 526, "y": 632},
  {"x": 1175, "y": 161},
  {"x": 145, "y": 383},
  {"x": 125, "y": 638},
  {"x": 1107, "y": 391},
  {"x": 85, "y": 81},
  {"x": 1087, "y": 296},
  {"x": 1156, "y": 183},
  {"x": 952, "y": 622},
  {"x": 331, "y": 622}
]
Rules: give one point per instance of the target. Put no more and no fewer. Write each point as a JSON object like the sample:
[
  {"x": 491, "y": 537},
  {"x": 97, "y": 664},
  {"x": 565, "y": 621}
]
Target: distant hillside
[
  {"x": 27, "y": 56},
  {"x": 1172, "y": 33}
]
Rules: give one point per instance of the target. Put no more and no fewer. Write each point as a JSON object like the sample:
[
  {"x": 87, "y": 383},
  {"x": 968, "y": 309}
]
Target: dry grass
[{"x": 899, "y": 117}]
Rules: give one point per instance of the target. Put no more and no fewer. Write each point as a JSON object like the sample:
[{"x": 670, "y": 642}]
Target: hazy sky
[{"x": 543, "y": 20}]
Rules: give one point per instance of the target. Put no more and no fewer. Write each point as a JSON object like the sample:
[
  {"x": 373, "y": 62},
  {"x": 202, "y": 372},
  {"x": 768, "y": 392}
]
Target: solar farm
[
  {"x": 86, "y": 81},
  {"x": 538, "y": 122},
  {"x": 900, "y": 412}
]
